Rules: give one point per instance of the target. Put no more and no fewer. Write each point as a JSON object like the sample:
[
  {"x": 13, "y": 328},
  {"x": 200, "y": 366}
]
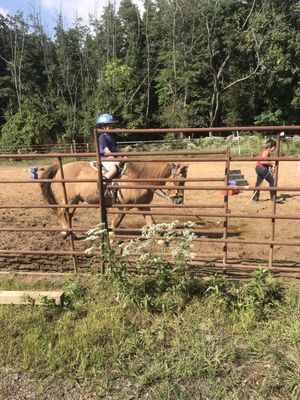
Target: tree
[{"x": 14, "y": 40}]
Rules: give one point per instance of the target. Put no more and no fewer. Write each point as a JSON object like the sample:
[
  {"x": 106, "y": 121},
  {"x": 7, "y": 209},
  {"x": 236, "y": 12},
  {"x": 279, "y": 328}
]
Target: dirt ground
[{"x": 209, "y": 254}]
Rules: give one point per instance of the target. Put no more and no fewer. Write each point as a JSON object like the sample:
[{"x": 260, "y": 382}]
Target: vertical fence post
[
  {"x": 69, "y": 219},
  {"x": 225, "y": 223},
  {"x": 273, "y": 220},
  {"x": 103, "y": 213},
  {"x": 238, "y": 142}
]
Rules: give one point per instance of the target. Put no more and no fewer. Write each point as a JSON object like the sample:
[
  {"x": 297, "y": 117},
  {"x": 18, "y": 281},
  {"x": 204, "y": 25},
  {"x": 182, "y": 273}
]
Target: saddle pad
[{"x": 94, "y": 165}]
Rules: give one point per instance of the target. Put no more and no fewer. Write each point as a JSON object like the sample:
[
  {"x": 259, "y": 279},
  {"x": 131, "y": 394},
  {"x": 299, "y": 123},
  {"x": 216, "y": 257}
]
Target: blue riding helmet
[{"x": 104, "y": 119}]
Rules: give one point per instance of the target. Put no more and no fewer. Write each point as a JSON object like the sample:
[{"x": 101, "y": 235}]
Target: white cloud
[
  {"x": 4, "y": 11},
  {"x": 74, "y": 8},
  {"x": 78, "y": 8}
]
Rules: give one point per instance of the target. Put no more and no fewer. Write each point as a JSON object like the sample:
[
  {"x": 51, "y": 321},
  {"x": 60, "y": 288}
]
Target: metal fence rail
[
  {"x": 223, "y": 260},
  {"x": 87, "y": 147}
]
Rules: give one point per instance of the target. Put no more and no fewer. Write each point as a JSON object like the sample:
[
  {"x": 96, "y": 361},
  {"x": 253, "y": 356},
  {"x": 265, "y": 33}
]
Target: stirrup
[{"x": 105, "y": 182}]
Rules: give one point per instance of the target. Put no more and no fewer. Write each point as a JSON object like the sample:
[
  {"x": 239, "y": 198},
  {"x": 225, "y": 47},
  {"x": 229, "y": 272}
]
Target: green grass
[
  {"x": 28, "y": 162},
  {"x": 228, "y": 341},
  {"x": 248, "y": 144}
]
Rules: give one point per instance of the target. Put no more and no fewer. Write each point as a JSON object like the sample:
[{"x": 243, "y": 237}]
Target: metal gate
[{"x": 220, "y": 235}]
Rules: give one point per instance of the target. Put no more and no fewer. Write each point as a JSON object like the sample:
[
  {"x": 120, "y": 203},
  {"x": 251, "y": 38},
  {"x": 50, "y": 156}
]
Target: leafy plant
[
  {"x": 262, "y": 293},
  {"x": 46, "y": 300},
  {"x": 269, "y": 118},
  {"x": 161, "y": 282}
]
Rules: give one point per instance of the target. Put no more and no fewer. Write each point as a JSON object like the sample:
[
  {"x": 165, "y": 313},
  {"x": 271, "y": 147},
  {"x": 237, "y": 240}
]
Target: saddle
[{"x": 112, "y": 193}]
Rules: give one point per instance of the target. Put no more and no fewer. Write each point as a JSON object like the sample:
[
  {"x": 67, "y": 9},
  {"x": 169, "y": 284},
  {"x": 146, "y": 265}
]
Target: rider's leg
[
  {"x": 260, "y": 171},
  {"x": 111, "y": 172},
  {"x": 270, "y": 179}
]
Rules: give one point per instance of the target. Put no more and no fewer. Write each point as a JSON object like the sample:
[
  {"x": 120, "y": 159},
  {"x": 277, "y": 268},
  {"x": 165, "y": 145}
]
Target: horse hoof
[
  {"x": 64, "y": 234},
  {"x": 81, "y": 237},
  {"x": 111, "y": 234}
]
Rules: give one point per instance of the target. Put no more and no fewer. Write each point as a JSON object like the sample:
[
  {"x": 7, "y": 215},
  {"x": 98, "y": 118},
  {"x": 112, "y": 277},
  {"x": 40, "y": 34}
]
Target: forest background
[{"x": 179, "y": 63}]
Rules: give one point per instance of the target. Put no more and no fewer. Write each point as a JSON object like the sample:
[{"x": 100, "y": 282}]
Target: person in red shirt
[{"x": 263, "y": 169}]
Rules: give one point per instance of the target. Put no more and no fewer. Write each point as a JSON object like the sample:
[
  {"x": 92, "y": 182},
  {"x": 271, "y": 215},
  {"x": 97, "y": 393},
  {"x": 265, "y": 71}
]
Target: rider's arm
[
  {"x": 107, "y": 145},
  {"x": 106, "y": 151},
  {"x": 103, "y": 145},
  {"x": 266, "y": 154}
]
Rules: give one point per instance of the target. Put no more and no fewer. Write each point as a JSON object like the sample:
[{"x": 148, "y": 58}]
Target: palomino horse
[{"x": 77, "y": 192}]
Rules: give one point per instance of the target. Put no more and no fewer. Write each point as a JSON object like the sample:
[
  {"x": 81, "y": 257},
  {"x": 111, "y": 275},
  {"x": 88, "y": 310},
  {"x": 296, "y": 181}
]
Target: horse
[{"x": 76, "y": 192}]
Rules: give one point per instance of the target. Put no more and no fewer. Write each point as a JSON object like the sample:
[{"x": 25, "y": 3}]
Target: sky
[{"x": 49, "y": 9}]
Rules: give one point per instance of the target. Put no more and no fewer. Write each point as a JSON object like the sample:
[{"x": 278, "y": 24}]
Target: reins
[{"x": 159, "y": 192}]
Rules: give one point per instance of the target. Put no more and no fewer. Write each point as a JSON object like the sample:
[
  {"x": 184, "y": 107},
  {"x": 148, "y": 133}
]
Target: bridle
[{"x": 164, "y": 193}]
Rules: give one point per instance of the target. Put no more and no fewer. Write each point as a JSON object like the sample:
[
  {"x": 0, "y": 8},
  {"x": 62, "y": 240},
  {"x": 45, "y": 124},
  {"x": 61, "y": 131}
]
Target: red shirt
[{"x": 263, "y": 154}]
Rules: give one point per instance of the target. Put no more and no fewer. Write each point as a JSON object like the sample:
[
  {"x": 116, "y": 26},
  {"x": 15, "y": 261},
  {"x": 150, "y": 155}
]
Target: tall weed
[
  {"x": 160, "y": 283},
  {"x": 161, "y": 331}
]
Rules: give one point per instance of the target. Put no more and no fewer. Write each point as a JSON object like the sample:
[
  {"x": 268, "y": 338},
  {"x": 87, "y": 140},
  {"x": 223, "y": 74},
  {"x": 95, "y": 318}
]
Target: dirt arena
[{"x": 209, "y": 253}]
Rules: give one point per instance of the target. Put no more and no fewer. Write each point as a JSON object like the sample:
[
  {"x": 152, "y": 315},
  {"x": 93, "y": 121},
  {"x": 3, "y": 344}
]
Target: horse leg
[
  {"x": 117, "y": 221},
  {"x": 76, "y": 200},
  {"x": 71, "y": 214},
  {"x": 148, "y": 217},
  {"x": 64, "y": 219},
  {"x": 119, "y": 218}
]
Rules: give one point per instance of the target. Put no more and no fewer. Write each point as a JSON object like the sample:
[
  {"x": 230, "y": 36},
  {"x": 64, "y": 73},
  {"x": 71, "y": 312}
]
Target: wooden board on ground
[{"x": 31, "y": 297}]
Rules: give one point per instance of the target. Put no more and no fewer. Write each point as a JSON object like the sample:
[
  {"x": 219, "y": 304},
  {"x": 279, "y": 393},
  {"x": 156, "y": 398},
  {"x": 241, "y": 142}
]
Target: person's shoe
[{"x": 255, "y": 200}]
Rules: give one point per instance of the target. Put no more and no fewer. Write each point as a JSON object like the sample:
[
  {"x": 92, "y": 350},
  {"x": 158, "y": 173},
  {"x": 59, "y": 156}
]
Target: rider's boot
[{"x": 105, "y": 182}]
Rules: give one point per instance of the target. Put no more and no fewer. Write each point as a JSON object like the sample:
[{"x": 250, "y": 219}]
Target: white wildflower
[{"x": 89, "y": 251}]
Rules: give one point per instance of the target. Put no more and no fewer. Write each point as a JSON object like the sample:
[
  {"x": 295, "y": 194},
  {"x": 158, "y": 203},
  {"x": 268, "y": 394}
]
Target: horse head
[{"x": 178, "y": 173}]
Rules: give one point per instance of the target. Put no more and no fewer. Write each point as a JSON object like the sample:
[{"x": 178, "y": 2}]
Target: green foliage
[
  {"x": 245, "y": 145},
  {"x": 160, "y": 285},
  {"x": 29, "y": 126},
  {"x": 242, "y": 335},
  {"x": 269, "y": 118},
  {"x": 262, "y": 293},
  {"x": 180, "y": 64},
  {"x": 164, "y": 282},
  {"x": 47, "y": 301},
  {"x": 114, "y": 88}
]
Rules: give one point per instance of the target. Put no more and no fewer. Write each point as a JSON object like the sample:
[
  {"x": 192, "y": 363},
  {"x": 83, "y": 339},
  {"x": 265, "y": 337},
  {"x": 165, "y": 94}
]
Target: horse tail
[{"x": 47, "y": 191}]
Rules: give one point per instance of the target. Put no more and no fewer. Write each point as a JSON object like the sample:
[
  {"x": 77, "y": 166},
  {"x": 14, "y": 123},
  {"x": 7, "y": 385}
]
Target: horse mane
[{"x": 47, "y": 191}]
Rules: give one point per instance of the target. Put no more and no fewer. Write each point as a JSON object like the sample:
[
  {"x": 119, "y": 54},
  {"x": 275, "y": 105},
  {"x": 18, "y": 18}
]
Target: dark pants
[{"x": 263, "y": 173}]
